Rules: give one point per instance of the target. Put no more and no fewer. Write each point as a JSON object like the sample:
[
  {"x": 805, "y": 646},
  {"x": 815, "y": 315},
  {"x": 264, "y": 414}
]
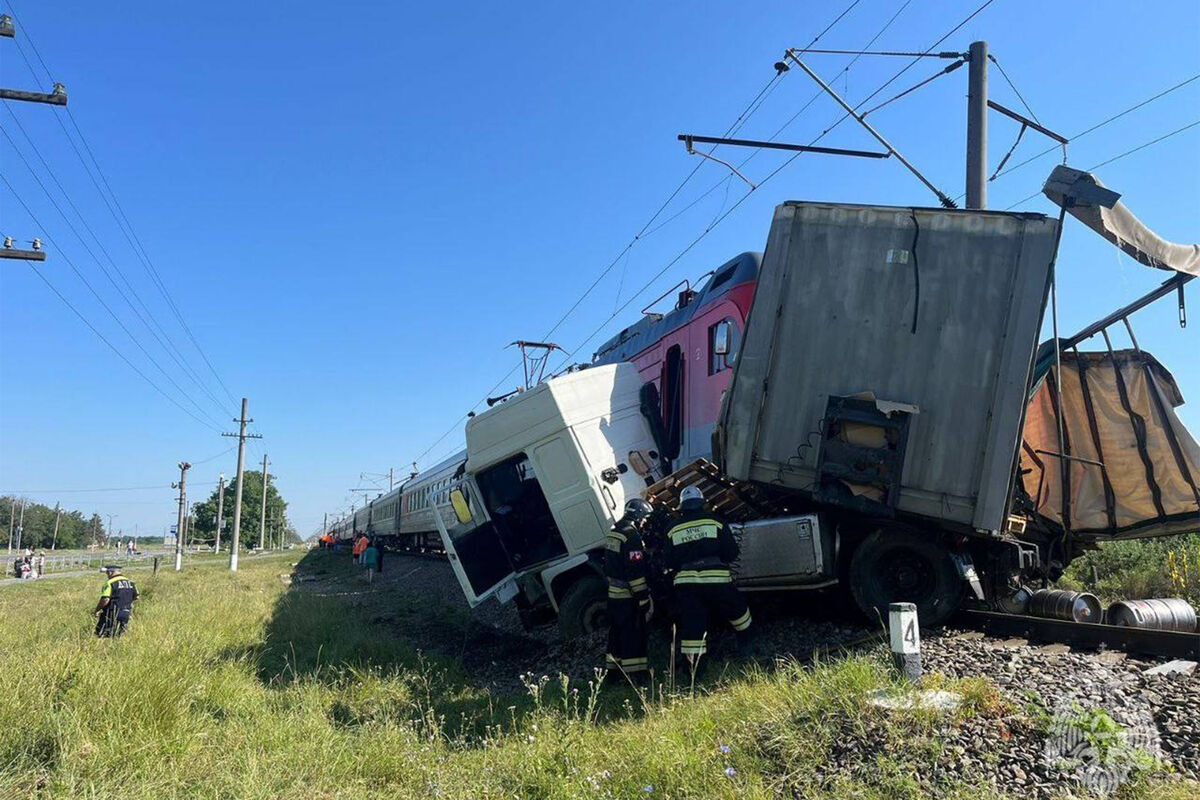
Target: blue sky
[{"x": 356, "y": 206}]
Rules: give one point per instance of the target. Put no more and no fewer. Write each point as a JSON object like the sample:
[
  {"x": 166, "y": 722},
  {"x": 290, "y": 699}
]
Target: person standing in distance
[
  {"x": 115, "y": 605},
  {"x": 698, "y": 549},
  {"x": 629, "y": 606}
]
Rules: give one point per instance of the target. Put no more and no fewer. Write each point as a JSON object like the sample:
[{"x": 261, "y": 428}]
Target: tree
[
  {"x": 204, "y": 527},
  {"x": 74, "y": 530}
]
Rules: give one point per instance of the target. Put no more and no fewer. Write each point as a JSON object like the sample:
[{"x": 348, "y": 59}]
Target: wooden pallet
[{"x": 736, "y": 501}]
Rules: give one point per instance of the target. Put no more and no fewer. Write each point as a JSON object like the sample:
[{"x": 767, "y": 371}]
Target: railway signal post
[{"x": 904, "y": 631}]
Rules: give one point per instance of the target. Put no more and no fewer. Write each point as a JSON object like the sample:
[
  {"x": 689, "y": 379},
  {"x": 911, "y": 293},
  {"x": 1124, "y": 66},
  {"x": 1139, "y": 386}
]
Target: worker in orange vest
[{"x": 360, "y": 544}]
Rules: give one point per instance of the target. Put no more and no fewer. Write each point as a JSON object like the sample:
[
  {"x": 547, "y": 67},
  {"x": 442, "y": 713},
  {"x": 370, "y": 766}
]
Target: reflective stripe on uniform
[
  {"x": 613, "y": 541},
  {"x": 619, "y": 593},
  {"x": 741, "y": 623},
  {"x": 626, "y": 664},
  {"x": 637, "y": 584},
  {"x": 703, "y": 576},
  {"x": 694, "y": 531},
  {"x": 692, "y": 647}
]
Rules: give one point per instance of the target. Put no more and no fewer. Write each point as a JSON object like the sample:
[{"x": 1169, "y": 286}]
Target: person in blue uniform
[{"x": 115, "y": 606}]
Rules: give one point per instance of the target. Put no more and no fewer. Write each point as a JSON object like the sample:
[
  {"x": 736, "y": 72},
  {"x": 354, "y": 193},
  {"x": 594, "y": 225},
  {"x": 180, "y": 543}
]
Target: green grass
[
  {"x": 241, "y": 686},
  {"x": 1168, "y": 567}
]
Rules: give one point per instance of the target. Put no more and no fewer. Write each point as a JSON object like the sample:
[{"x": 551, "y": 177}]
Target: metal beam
[
  {"x": 799, "y": 148},
  {"x": 1170, "y": 285},
  {"x": 55, "y": 98}
]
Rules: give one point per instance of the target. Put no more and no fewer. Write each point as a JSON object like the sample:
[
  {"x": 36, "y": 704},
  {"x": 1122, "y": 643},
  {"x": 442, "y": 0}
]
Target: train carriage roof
[{"x": 649, "y": 329}]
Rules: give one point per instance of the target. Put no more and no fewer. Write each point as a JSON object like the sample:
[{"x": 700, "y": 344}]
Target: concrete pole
[
  {"x": 12, "y": 521},
  {"x": 262, "y": 520},
  {"x": 237, "y": 499},
  {"x": 391, "y": 478},
  {"x": 179, "y": 525},
  {"x": 220, "y": 512},
  {"x": 977, "y": 97},
  {"x": 21, "y": 525},
  {"x": 57, "y": 517}
]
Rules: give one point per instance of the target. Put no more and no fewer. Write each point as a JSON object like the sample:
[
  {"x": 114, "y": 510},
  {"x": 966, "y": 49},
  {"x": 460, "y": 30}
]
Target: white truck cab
[{"x": 547, "y": 474}]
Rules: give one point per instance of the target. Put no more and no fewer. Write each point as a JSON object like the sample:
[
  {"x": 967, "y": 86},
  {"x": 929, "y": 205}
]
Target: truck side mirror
[
  {"x": 462, "y": 508},
  {"x": 721, "y": 338}
]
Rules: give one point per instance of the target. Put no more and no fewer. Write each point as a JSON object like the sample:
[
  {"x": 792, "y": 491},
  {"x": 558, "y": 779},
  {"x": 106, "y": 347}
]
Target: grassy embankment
[{"x": 241, "y": 686}]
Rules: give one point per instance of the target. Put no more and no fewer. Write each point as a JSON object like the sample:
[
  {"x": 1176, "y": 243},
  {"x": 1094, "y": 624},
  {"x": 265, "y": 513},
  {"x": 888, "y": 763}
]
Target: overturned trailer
[{"x": 890, "y": 382}]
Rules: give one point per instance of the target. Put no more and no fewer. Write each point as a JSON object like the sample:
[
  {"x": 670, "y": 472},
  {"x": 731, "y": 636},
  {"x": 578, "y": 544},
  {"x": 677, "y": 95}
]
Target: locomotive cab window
[{"x": 722, "y": 346}]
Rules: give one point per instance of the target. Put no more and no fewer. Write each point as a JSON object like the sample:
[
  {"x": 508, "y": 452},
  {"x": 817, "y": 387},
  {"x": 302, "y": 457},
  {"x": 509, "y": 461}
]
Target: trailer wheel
[
  {"x": 899, "y": 566},
  {"x": 584, "y": 608}
]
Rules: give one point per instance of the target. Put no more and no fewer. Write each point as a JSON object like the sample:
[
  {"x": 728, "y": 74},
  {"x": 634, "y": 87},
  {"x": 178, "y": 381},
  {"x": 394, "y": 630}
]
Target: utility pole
[
  {"x": 110, "y": 527},
  {"x": 220, "y": 512},
  {"x": 242, "y": 436},
  {"x": 56, "y": 97},
  {"x": 12, "y": 521},
  {"x": 391, "y": 478},
  {"x": 179, "y": 529},
  {"x": 21, "y": 524},
  {"x": 262, "y": 521},
  {"x": 95, "y": 524},
  {"x": 57, "y": 517},
  {"x": 977, "y": 107}
]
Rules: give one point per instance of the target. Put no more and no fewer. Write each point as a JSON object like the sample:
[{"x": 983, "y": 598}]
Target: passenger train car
[{"x": 685, "y": 356}]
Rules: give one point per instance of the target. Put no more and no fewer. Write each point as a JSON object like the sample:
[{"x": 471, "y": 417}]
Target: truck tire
[
  {"x": 901, "y": 566},
  {"x": 584, "y": 608}
]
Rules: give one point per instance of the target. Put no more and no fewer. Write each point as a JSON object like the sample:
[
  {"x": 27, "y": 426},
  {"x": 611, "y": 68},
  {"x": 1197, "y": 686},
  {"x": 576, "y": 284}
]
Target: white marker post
[{"x": 905, "y": 632}]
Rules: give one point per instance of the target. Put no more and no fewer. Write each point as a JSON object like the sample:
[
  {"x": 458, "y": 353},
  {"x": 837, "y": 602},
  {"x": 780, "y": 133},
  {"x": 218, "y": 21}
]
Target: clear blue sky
[{"x": 357, "y": 205}]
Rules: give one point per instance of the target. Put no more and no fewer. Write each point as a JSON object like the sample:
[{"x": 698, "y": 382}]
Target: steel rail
[{"x": 1136, "y": 641}]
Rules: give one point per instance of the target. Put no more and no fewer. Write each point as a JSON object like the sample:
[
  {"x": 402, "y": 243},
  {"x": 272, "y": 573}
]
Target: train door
[{"x": 673, "y": 391}]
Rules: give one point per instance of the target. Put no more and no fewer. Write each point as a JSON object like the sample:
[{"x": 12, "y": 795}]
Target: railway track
[{"x": 1091, "y": 636}]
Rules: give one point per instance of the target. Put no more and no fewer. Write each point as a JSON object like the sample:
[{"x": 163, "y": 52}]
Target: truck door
[{"x": 474, "y": 546}]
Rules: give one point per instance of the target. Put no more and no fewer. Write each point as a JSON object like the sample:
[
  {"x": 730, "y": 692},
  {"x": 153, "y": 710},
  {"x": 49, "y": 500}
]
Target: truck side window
[{"x": 722, "y": 345}]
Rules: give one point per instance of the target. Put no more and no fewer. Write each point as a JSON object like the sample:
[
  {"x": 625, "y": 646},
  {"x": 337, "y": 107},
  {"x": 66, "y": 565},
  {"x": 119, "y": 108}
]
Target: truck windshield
[{"x": 519, "y": 509}]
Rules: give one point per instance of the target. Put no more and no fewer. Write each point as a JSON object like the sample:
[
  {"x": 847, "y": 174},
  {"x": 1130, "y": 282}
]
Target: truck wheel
[
  {"x": 583, "y": 609},
  {"x": 899, "y": 566}
]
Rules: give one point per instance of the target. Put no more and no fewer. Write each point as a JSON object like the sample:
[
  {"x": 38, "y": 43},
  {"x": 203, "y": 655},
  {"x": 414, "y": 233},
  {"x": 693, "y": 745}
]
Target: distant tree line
[
  {"x": 37, "y": 529},
  {"x": 204, "y": 516}
]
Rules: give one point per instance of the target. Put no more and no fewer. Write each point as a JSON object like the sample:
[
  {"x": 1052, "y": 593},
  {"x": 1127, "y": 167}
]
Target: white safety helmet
[{"x": 691, "y": 493}]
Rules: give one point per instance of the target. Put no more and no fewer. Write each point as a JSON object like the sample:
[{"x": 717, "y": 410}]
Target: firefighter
[
  {"x": 116, "y": 603},
  {"x": 629, "y": 606},
  {"x": 698, "y": 549}
]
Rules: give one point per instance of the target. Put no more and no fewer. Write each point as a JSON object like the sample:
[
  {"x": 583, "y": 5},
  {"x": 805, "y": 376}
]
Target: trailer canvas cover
[{"x": 935, "y": 310}]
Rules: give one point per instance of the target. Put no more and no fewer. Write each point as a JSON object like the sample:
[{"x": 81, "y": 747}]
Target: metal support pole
[
  {"x": 179, "y": 526},
  {"x": 977, "y": 107},
  {"x": 220, "y": 512},
  {"x": 262, "y": 520}
]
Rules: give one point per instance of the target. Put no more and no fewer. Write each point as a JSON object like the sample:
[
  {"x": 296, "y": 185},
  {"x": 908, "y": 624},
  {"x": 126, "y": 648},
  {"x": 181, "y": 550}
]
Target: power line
[
  {"x": 9, "y": 492},
  {"x": 111, "y": 346},
  {"x": 86, "y": 282},
  {"x": 1101, "y": 124},
  {"x": 771, "y": 175},
  {"x": 173, "y": 353},
  {"x": 1129, "y": 152},
  {"x": 736, "y": 125},
  {"x": 786, "y": 124},
  {"x": 138, "y": 248}
]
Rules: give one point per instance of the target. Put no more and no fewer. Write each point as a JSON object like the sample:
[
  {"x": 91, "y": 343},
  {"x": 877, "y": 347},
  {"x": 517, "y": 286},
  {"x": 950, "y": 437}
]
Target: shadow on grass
[{"x": 390, "y": 651}]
